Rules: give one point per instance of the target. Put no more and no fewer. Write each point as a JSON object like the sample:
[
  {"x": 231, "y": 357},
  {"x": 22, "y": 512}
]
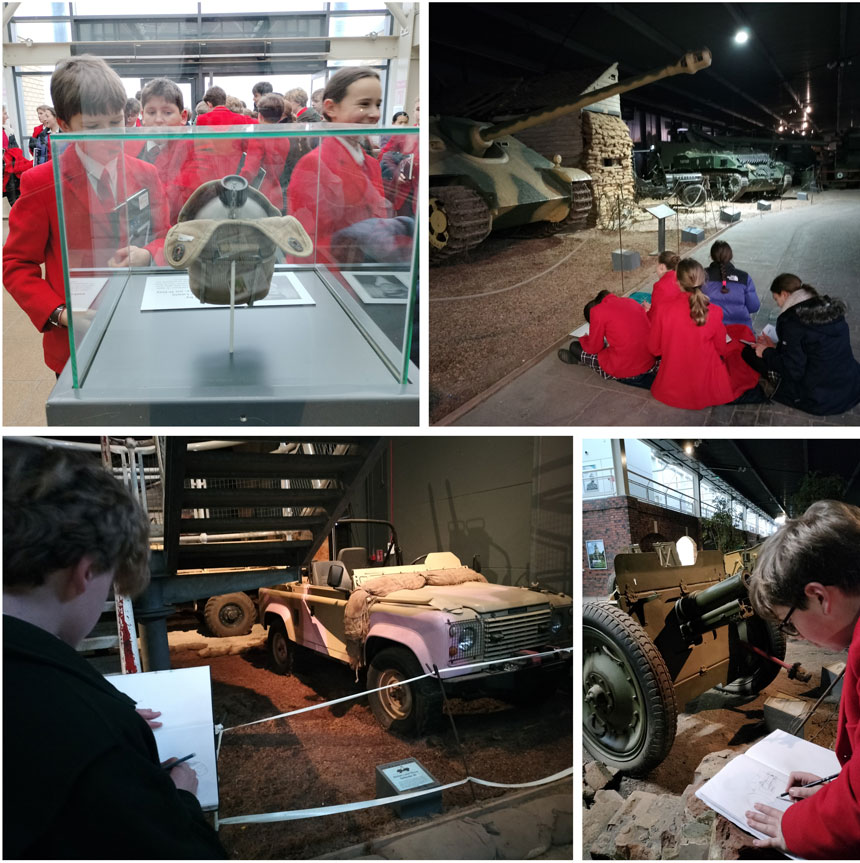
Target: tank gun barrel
[
  {"x": 689, "y": 64},
  {"x": 713, "y": 607}
]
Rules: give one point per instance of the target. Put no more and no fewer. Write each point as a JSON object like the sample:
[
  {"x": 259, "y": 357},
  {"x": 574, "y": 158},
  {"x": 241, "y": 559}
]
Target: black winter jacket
[
  {"x": 81, "y": 775},
  {"x": 814, "y": 358}
]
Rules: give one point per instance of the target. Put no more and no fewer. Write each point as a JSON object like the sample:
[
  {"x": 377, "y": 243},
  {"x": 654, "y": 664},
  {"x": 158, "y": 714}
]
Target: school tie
[{"x": 103, "y": 190}]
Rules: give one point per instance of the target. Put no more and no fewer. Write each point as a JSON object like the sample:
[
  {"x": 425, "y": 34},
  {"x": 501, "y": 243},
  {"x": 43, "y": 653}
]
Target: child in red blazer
[
  {"x": 337, "y": 184},
  {"x": 666, "y": 287},
  {"x": 96, "y": 177},
  {"x": 807, "y": 577},
  {"x": 689, "y": 336},
  {"x": 617, "y": 341}
]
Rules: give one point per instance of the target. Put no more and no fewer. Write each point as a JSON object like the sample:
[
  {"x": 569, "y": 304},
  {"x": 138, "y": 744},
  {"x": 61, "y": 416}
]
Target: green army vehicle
[
  {"x": 670, "y": 634},
  {"x": 482, "y": 178}
]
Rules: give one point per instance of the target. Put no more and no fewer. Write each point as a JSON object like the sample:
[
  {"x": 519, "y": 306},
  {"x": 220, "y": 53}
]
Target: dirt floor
[
  {"x": 712, "y": 723},
  {"x": 328, "y": 756},
  {"x": 506, "y": 302}
]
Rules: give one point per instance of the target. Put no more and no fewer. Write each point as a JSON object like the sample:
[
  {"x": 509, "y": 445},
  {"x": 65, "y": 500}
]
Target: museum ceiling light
[{"x": 741, "y": 37}]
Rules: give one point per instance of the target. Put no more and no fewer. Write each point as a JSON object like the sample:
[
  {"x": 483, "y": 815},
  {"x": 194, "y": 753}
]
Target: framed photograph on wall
[{"x": 596, "y": 554}]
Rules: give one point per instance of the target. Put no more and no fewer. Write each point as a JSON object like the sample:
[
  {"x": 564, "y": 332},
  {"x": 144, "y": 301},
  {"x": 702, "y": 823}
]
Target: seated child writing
[{"x": 617, "y": 342}]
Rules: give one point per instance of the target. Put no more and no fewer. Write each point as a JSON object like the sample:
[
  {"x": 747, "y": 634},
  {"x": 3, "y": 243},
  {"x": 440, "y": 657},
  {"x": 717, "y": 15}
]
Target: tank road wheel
[
  {"x": 629, "y": 709},
  {"x": 580, "y": 209},
  {"x": 748, "y": 672},
  {"x": 459, "y": 220},
  {"x": 407, "y": 709},
  {"x": 230, "y": 614}
]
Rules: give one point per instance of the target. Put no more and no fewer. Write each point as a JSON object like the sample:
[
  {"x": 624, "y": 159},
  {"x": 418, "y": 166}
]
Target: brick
[
  {"x": 597, "y": 775},
  {"x": 596, "y": 819}
]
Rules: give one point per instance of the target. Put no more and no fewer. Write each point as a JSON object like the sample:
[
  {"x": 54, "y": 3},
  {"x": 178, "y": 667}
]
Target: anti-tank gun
[
  {"x": 672, "y": 633},
  {"x": 483, "y": 178}
]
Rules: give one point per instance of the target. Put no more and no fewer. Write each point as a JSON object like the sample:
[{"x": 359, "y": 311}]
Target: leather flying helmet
[{"x": 225, "y": 223}]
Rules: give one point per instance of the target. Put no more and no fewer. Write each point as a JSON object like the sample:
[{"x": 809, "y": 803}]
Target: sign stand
[
  {"x": 401, "y": 777},
  {"x": 661, "y": 212}
]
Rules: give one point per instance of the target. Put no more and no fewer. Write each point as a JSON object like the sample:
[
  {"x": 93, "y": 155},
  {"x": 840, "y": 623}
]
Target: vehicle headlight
[
  {"x": 557, "y": 624},
  {"x": 464, "y": 640}
]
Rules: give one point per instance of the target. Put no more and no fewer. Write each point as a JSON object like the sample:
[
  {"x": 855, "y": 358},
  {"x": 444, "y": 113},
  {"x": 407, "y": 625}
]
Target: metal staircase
[{"x": 245, "y": 513}]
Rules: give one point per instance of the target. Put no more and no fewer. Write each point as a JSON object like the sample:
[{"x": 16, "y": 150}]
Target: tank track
[{"x": 467, "y": 217}]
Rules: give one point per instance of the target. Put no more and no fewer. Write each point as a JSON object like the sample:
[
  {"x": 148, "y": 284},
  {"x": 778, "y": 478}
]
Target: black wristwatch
[{"x": 54, "y": 319}]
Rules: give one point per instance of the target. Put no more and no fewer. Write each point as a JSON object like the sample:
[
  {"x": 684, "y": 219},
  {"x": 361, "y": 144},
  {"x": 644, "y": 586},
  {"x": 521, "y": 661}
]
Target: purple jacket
[{"x": 740, "y": 302}]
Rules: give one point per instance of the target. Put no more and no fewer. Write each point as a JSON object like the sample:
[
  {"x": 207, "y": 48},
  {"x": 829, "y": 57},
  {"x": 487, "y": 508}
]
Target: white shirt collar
[
  {"x": 354, "y": 149},
  {"x": 95, "y": 169}
]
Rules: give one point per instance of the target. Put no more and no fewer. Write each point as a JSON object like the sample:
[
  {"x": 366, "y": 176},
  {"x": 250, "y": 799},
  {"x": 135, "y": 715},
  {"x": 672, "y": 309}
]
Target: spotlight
[
  {"x": 741, "y": 37},
  {"x": 780, "y": 519}
]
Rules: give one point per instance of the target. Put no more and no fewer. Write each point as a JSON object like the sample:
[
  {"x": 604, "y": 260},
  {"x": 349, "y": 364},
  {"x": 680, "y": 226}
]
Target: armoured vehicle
[
  {"x": 451, "y": 625},
  {"x": 482, "y": 178},
  {"x": 674, "y": 633},
  {"x": 729, "y": 173}
]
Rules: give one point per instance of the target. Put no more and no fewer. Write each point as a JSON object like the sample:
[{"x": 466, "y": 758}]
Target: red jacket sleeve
[
  {"x": 826, "y": 826},
  {"x": 655, "y": 336},
  {"x": 719, "y": 331},
  {"x": 593, "y": 343}
]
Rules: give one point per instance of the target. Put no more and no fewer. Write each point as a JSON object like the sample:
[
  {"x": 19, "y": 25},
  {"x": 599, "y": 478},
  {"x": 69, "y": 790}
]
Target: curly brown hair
[{"x": 60, "y": 506}]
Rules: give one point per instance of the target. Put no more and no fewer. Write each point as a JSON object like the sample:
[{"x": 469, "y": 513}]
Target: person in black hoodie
[
  {"x": 81, "y": 773},
  {"x": 812, "y": 359}
]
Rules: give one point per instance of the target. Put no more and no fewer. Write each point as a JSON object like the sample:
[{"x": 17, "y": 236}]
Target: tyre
[
  {"x": 280, "y": 648},
  {"x": 230, "y": 614},
  {"x": 693, "y": 195},
  {"x": 629, "y": 707},
  {"x": 408, "y": 709},
  {"x": 749, "y": 673}
]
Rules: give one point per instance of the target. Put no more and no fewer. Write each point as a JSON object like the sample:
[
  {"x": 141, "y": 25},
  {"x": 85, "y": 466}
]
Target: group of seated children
[
  {"x": 334, "y": 190},
  {"x": 695, "y": 347}
]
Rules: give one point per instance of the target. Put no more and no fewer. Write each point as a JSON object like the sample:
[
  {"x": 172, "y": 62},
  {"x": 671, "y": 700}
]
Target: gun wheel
[
  {"x": 459, "y": 220},
  {"x": 629, "y": 710}
]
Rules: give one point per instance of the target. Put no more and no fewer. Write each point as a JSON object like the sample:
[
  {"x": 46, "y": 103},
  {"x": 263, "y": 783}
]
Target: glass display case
[{"x": 212, "y": 279}]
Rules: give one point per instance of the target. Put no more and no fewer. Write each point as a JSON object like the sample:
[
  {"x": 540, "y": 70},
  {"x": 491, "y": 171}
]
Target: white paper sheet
[
  {"x": 84, "y": 291},
  {"x": 184, "y": 697},
  {"x": 163, "y": 292},
  {"x": 388, "y": 288}
]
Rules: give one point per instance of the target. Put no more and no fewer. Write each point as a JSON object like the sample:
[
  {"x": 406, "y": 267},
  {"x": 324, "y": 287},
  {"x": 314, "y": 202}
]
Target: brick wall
[{"x": 622, "y": 521}]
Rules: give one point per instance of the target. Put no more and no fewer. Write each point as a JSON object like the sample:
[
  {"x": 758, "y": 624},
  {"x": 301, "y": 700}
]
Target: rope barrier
[
  {"x": 401, "y": 683},
  {"x": 319, "y": 811}
]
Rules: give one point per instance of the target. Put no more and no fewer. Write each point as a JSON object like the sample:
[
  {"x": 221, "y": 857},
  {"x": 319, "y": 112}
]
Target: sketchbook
[
  {"x": 184, "y": 697},
  {"x": 761, "y": 774}
]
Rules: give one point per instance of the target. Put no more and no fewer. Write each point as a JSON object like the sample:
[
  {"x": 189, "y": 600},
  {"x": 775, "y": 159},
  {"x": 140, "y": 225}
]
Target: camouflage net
[{"x": 356, "y": 616}]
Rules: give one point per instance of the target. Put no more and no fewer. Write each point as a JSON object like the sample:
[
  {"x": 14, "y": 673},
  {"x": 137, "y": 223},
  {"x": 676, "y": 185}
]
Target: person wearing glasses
[
  {"x": 807, "y": 576},
  {"x": 699, "y": 368}
]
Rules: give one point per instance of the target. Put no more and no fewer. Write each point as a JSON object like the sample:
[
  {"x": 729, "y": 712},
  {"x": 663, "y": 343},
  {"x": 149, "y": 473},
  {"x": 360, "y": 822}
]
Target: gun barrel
[
  {"x": 713, "y": 602},
  {"x": 689, "y": 64}
]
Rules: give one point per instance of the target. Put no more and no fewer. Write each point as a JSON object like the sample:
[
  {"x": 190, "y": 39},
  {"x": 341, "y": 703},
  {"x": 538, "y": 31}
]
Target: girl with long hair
[
  {"x": 688, "y": 333},
  {"x": 732, "y": 290},
  {"x": 812, "y": 357}
]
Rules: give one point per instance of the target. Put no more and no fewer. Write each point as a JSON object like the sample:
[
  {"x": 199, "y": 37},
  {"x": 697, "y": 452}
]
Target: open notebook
[
  {"x": 184, "y": 697},
  {"x": 761, "y": 774}
]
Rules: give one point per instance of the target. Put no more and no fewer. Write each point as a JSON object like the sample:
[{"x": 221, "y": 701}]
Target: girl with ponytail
[
  {"x": 666, "y": 287},
  {"x": 698, "y": 368},
  {"x": 812, "y": 358},
  {"x": 732, "y": 290}
]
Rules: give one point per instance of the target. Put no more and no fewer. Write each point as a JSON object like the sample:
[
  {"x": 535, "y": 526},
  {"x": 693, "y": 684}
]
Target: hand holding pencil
[{"x": 801, "y": 785}]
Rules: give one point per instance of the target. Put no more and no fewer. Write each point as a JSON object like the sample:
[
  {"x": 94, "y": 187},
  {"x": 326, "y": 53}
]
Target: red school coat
[
  {"x": 269, "y": 152},
  {"x": 330, "y": 191},
  {"x": 826, "y": 826},
  {"x": 624, "y": 325},
  {"x": 171, "y": 164},
  {"x": 693, "y": 372},
  {"x": 665, "y": 288},
  {"x": 34, "y": 237}
]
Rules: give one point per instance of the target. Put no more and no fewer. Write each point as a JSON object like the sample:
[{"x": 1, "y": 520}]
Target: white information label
[
  {"x": 165, "y": 292},
  {"x": 84, "y": 291},
  {"x": 405, "y": 777}
]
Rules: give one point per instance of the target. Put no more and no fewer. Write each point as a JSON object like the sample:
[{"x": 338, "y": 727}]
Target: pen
[
  {"x": 811, "y": 784},
  {"x": 178, "y": 761}
]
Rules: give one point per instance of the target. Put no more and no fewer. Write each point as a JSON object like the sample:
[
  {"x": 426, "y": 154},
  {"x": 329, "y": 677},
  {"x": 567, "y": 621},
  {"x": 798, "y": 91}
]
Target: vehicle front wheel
[
  {"x": 408, "y": 708},
  {"x": 230, "y": 614},
  {"x": 280, "y": 648}
]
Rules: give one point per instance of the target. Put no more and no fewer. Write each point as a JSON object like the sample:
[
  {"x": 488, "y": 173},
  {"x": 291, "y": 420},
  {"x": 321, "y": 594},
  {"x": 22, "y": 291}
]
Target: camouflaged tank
[{"x": 482, "y": 178}]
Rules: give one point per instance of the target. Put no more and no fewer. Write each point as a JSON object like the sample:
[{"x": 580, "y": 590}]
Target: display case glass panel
[{"x": 209, "y": 273}]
